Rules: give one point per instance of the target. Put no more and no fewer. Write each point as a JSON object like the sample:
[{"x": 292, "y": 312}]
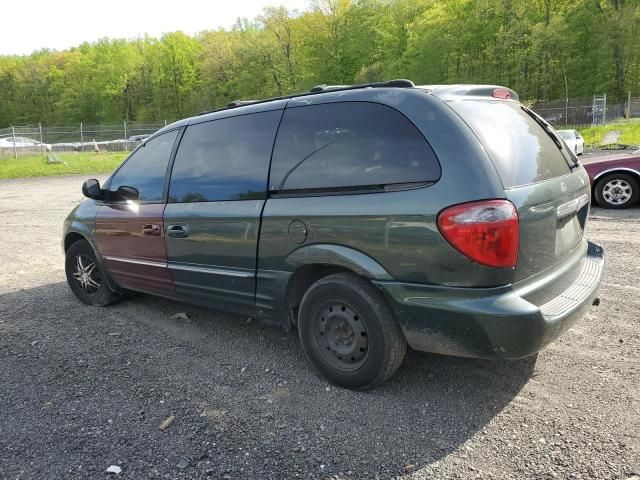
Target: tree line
[{"x": 543, "y": 49}]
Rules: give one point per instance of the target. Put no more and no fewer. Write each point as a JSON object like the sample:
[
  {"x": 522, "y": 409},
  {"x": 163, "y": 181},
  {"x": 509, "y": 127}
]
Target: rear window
[
  {"x": 349, "y": 145},
  {"x": 522, "y": 151}
]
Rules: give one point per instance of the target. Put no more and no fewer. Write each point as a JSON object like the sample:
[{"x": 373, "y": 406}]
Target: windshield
[{"x": 566, "y": 134}]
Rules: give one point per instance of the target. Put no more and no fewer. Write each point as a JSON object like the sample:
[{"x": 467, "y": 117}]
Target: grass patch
[
  {"x": 37, "y": 166},
  {"x": 629, "y": 133}
]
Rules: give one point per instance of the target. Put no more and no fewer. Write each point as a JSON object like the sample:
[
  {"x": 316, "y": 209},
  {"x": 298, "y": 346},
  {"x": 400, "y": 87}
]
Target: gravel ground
[{"x": 84, "y": 388}]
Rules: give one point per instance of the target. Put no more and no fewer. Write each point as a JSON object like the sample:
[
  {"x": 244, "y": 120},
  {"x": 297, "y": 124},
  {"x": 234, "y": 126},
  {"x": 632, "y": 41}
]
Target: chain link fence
[
  {"x": 586, "y": 112},
  {"x": 37, "y": 139}
]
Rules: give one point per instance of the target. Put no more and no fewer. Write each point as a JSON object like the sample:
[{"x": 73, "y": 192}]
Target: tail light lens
[{"x": 486, "y": 231}]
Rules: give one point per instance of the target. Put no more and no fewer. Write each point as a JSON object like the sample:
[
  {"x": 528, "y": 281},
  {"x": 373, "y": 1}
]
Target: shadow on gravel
[
  {"x": 246, "y": 402},
  {"x": 631, "y": 213}
]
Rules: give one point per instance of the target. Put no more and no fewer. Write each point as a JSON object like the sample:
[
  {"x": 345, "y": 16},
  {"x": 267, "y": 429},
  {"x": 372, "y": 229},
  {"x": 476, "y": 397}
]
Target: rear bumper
[{"x": 493, "y": 322}]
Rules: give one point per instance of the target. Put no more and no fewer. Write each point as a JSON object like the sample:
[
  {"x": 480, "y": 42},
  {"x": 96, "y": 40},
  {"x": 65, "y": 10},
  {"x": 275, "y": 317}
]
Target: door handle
[
  {"x": 151, "y": 229},
  {"x": 178, "y": 231}
]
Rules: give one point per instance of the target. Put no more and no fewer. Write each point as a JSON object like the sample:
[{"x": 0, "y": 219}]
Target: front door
[
  {"x": 130, "y": 232},
  {"x": 216, "y": 196}
]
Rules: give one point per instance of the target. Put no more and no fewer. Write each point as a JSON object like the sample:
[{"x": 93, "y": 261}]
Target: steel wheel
[
  {"x": 617, "y": 191},
  {"x": 348, "y": 331},
  {"x": 341, "y": 336},
  {"x": 87, "y": 274}
]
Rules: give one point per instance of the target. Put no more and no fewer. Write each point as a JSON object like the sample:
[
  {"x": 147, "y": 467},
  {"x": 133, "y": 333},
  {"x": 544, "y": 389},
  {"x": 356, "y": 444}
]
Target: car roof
[{"x": 242, "y": 107}]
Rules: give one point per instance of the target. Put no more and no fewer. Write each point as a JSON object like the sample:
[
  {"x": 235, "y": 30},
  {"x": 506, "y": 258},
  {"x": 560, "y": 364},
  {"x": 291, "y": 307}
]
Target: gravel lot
[{"x": 84, "y": 388}]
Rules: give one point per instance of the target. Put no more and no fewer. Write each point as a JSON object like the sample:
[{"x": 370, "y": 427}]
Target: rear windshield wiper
[{"x": 546, "y": 126}]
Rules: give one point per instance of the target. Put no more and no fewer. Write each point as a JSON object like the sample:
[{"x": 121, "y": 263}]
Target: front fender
[
  {"x": 339, "y": 256},
  {"x": 81, "y": 221}
]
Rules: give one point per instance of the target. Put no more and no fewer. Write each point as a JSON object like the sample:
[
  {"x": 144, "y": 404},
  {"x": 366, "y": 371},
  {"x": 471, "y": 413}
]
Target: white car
[
  {"x": 574, "y": 140},
  {"x": 23, "y": 142}
]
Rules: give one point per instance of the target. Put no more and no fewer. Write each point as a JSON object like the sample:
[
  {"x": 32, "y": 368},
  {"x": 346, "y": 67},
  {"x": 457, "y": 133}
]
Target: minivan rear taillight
[{"x": 485, "y": 231}]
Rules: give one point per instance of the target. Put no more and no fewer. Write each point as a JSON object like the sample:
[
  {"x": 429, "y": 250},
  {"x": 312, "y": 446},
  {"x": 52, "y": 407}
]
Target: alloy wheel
[
  {"x": 87, "y": 274},
  {"x": 617, "y": 192}
]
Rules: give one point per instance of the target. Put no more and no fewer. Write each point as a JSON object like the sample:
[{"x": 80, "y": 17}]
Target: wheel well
[
  {"x": 632, "y": 173},
  {"x": 300, "y": 282},
  {"x": 72, "y": 238}
]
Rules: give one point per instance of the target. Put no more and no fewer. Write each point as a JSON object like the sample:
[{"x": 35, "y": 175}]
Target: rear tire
[
  {"x": 617, "y": 190},
  {"x": 348, "y": 332},
  {"x": 86, "y": 277}
]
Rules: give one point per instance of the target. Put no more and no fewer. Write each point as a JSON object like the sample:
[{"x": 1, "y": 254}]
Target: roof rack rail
[
  {"x": 324, "y": 87},
  {"x": 240, "y": 103},
  {"x": 399, "y": 83}
]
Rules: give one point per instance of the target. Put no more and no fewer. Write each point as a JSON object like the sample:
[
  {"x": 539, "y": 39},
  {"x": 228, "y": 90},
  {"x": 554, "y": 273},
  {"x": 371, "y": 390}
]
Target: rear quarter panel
[{"x": 396, "y": 230}]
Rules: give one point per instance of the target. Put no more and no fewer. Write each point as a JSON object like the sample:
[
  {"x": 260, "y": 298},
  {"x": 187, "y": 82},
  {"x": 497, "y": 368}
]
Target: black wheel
[
  {"x": 85, "y": 276},
  {"x": 617, "y": 190},
  {"x": 349, "y": 333}
]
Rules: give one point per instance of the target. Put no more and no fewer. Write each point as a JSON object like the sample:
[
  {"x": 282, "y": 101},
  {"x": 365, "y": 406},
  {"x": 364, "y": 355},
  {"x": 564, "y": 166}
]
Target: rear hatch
[{"x": 541, "y": 177}]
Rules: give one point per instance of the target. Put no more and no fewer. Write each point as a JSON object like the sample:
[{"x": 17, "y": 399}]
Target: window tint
[
  {"x": 146, "y": 168},
  {"x": 349, "y": 144},
  {"x": 226, "y": 159},
  {"x": 522, "y": 151}
]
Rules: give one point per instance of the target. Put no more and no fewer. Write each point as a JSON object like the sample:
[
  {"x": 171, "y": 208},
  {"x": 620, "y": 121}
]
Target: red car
[{"x": 615, "y": 179}]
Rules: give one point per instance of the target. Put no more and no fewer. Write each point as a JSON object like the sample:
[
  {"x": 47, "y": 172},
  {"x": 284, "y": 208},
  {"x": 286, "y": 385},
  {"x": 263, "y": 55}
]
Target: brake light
[
  {"x": 502, "y": 93},
  {"x": 485, "y": 231}
]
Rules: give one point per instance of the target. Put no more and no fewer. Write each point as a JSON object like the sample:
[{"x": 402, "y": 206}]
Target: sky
[{"x": 37, "y": 24}]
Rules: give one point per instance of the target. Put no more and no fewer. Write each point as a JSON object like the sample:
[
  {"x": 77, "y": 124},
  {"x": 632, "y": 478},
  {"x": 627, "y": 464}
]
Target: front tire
[
  {"x": 86, "y": 277},
  {"x": 348, "y": 332},
  {"x": 618, "y": 190}
]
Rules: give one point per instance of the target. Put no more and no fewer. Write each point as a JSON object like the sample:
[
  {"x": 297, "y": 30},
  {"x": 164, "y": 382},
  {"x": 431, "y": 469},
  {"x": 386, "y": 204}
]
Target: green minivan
[{"x": 369, "y": 217}]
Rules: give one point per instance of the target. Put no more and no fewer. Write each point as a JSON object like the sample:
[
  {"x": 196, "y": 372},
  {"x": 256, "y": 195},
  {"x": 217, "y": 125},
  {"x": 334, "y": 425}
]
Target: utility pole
[
  {"x": 81, "y": 139},
  {"x": 41, "y": 144},
  {"x": 566, "y": 99},
  {"x": 15, "y": 149},
  {"x": 628, "y": 115}
]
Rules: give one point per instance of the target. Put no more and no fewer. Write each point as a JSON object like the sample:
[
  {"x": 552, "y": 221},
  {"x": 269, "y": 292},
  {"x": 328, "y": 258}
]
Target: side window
[
  {"x": 226, "y": 159},
  {"x": 146, "y": 168},
  {"x": 349, "y": 144}
]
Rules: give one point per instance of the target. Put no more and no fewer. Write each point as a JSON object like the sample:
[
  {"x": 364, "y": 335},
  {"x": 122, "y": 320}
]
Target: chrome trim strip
[
  {"x": 618, "y": 169},
  {"x": 582, "y": 201},
  {"x": 572, "y": 206},
  {"x": 148, "y": 263},
  {"x": 212, "y": 271}
]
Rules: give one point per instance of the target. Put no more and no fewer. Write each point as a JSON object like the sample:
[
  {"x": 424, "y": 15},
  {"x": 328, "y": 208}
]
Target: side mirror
[
  {"x": 91, "y": 189},
  {"x": 127, "y": 193}
]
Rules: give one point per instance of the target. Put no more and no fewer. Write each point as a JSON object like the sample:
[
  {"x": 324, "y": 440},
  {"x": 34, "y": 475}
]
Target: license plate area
[
  {"x": 568, "y": 234},
  {"x": 570, "y": 223}
]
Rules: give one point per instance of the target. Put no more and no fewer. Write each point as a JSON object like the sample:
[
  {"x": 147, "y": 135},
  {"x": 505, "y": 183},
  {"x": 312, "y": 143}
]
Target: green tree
[{"x": 544, "y": 49}]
